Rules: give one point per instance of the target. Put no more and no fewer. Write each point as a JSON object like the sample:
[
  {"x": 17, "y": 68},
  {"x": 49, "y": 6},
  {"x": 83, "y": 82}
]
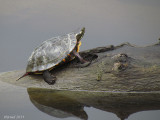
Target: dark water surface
[{"x": 24, "y": 24}]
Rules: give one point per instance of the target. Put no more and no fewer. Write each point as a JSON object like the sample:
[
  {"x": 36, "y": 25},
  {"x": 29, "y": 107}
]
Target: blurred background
[{"x": 25, "y": 24}]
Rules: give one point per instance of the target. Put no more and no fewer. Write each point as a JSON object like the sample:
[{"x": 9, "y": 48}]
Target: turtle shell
[{"x": 51, "y": 52}]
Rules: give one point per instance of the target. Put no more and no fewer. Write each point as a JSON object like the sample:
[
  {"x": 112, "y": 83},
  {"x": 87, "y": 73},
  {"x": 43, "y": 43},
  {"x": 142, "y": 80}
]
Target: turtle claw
[
  {"x": 51, "y": 82},
  {"x": 82, "y": 65},
  {"x": 85, "y": 64},
  {"x": 50, "y": 79}
]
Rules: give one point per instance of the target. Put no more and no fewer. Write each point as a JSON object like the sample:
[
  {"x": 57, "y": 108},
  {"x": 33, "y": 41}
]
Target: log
[{"x": 124, "y": 68}]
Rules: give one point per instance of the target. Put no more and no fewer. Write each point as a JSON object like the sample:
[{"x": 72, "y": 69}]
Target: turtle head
[
  {"x": 79, "y": 37},
  {"x": 80, "y": 34}
]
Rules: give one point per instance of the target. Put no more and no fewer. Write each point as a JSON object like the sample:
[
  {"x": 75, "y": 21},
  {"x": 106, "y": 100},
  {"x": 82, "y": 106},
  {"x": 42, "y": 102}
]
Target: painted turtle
[{"x": 53, "y": 52}]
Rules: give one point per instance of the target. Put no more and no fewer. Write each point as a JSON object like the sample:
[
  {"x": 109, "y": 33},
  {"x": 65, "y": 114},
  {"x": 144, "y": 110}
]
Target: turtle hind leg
[{"x": 50, "y": 79}]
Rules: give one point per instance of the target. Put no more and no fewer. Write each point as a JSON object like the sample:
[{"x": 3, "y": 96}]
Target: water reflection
[
  {"x": 57, "y": 105},
  {"x": 63, "y": 104}
]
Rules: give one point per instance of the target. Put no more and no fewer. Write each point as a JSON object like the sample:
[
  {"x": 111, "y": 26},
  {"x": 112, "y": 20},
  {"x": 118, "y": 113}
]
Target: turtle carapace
[{"x": 52, "y": 52}]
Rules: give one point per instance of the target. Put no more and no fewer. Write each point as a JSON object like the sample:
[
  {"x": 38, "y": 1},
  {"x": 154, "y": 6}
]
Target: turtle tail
[{"x": 23, "y": 76}]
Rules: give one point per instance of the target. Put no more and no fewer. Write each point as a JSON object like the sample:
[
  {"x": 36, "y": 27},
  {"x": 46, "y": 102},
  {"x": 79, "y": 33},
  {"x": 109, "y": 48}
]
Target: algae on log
[{"x": 113, "y": 68}]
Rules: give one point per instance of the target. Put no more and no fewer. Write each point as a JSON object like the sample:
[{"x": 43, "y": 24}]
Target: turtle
[{"x": 52, "y": 52}]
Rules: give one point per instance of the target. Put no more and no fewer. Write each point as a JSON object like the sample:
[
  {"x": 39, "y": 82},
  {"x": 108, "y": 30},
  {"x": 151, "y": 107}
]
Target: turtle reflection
[
  {"x": 56, "y": 105},
  {"x": 63, "y": 104}
]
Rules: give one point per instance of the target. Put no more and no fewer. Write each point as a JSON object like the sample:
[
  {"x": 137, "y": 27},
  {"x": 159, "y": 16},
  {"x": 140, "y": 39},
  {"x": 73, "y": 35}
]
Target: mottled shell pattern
[{"x": 51, "y": 52}]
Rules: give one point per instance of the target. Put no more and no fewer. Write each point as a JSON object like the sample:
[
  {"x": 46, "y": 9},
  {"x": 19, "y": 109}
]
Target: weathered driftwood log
[{"x": 113, "y": 68}]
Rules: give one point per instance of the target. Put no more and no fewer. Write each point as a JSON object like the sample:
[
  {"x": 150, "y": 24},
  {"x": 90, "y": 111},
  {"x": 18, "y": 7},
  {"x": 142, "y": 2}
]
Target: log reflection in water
[{"x": 63, "y": 104}]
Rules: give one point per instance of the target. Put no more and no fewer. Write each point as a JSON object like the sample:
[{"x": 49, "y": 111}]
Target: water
[
  {"x": 37, "y": 104},
  {"x": 25, "y": 24}
]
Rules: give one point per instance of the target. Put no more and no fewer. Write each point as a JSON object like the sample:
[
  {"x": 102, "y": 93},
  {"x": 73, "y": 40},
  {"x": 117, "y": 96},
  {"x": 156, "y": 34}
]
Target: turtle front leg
[
  {"x": 50, "y": 79},
  {"x": 84, "y": 62}
]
